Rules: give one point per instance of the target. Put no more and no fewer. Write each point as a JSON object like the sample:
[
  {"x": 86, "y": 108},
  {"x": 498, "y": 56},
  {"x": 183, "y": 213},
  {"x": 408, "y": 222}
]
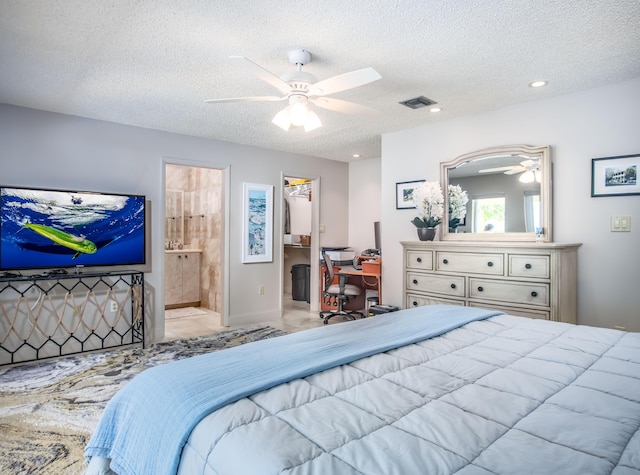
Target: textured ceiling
[{"x": 152, "y": 63}]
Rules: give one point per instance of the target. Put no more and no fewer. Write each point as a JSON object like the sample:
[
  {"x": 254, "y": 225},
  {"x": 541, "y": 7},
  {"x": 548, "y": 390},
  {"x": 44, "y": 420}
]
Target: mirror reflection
[
  {"x": 507, "y": 191},
  {"x": 174, "y": 218}
]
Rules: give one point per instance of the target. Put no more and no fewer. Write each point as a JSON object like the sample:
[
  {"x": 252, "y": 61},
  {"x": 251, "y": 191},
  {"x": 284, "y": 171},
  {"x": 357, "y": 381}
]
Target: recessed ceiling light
[
  {"x": 435, "y": 109},
  {"x": 538, "y": 83},
  {"x": 356, "y": 155}
]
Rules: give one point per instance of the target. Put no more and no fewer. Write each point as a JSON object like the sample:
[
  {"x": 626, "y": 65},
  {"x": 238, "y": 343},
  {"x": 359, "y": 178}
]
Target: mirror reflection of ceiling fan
[
  {"x": 301, "y": 88},
  {"x": 530, "y": 170}
]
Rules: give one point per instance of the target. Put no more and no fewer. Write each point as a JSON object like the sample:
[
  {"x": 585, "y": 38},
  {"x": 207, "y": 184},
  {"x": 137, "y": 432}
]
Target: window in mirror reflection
[
  {"x": 532, "y": 211},
  {"x": 488, "y": 214}
]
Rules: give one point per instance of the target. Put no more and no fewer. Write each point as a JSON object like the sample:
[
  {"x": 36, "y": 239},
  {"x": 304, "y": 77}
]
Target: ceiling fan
[
  {"x": 530, "y": 170},
  {"x": 301, "y": 88}
]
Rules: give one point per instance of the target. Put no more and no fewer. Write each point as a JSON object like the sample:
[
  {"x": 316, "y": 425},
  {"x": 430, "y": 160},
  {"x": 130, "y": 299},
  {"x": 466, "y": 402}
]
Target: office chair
[{"x": 339, "y": 293}]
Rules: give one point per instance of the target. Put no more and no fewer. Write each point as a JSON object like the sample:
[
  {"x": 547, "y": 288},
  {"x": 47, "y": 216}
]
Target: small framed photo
[
  {"x": 404, "y": 194},
  {"x": 615, "y": 176},
  {"x": 257, "y": 223}
]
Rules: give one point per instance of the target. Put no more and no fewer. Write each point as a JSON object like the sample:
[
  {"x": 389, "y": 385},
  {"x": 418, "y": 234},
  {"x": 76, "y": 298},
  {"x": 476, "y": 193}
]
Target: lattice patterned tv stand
[{"x": 48, "y": 315}]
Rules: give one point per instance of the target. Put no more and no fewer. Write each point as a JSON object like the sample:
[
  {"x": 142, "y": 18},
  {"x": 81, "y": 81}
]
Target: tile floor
[{"x": 297, "y": 316}]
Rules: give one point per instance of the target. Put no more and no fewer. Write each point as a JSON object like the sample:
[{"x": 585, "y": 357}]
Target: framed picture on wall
[
  {"x": 257, "y": 223},
  {"x": 615, "y": 176},
  {"x": 404, "y": 194}
]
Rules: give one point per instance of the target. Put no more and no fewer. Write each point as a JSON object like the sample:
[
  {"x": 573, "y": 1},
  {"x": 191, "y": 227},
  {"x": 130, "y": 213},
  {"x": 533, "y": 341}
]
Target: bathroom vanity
[{"x": 182, "y": 278}]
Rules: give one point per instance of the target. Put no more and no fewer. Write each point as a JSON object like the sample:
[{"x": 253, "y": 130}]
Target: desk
[{"x": 366, "y": 279}]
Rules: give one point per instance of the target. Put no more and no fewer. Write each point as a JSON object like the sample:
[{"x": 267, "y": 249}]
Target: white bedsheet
[{"x": 507, "y": 395}]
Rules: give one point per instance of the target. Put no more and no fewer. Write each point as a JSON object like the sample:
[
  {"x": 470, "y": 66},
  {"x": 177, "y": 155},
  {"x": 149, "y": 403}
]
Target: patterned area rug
[{"x": 49, "y": 409}]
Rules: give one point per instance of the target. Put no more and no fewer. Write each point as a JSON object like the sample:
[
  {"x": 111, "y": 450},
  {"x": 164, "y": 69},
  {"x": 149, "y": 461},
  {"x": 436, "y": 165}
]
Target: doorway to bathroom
[{"x": 194, "y": 249}]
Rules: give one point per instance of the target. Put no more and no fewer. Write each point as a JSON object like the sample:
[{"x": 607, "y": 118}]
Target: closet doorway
[
  {"x": 194, "y": 245},
  {"x": 300, "y": 239}
]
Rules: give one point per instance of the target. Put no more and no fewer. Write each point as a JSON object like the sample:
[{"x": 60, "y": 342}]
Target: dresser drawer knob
[
  {"x": 415, "y": 281},
  {"x": 419, "y": 259},
  {"x": 527, "y": 266},
  {"x": 534, "y": 294},
  {"x": 445, "y": 261},
  {"x": 490, "y": 264},
  {"x": 414, "y": 303},
  {"x": 453, "y": 286},
  {"x": 480, "y": 289}
]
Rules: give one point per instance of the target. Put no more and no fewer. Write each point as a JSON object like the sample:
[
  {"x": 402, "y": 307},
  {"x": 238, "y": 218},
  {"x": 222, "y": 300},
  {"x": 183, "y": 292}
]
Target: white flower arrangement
[
  {"x": 429, "y": 201},
  {"x": 458, "y": 200}
]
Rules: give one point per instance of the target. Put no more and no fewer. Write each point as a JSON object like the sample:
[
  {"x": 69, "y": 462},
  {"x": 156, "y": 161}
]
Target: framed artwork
[
  {"x": 615, "y": 176},
  {"x": 257, "y": 223},
  {"x": 404, "y": 194}
]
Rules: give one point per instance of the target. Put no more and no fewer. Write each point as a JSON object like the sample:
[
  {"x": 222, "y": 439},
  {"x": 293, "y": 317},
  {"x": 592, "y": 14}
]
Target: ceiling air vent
[{"x": 418, "y": 102}]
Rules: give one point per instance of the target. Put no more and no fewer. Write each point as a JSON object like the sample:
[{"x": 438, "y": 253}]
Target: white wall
[
  {"x": 42, "y": 149},
  {"x": 601, "y": 122},
  {"x": 364, "y": 202}
]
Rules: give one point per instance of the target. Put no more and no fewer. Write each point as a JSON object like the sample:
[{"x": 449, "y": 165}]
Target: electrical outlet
[
  {"x": 261, "y": 290},
  {"x": 114, "y": 306}
]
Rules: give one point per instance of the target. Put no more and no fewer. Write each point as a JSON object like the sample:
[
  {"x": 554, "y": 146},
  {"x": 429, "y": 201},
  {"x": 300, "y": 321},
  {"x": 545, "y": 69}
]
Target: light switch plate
[{"x": 621, "y": 224}]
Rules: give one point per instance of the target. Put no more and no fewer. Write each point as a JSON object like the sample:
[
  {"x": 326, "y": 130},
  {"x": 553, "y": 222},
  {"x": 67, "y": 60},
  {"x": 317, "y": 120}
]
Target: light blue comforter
[{"x": 145, "y": 425}]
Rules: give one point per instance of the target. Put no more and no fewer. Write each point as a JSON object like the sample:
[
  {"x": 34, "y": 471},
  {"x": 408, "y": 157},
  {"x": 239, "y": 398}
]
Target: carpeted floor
[{"x": 49, "y": 409}]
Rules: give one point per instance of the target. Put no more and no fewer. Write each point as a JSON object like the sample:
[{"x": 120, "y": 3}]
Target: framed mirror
[{"x": 509, "y": 195}]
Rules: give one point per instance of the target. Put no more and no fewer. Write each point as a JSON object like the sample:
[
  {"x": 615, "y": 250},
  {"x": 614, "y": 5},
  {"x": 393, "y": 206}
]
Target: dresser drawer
[
  {"x": 514, "y": 292},
  {"x": 420, "y": 260},
  {"x": 517, "y": 311},
  {"x": 529, "y": 266},
  {"x": 470, "y": 263},
  {"x": 441, "y": 284},
  {"x": 416, "y": 300}
]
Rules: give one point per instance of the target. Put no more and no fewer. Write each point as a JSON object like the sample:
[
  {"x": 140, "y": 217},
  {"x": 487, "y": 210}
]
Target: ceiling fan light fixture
[
  {"x": 282, "y": 120},
  {"x": 312, "y": 122},
  {"x": 298, "y": 113},
  {"x": 527, "y": 177}
]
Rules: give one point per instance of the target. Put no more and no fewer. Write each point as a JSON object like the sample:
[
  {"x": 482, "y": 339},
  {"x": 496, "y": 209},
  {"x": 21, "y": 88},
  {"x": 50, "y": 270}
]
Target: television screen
[{"x": 56, "y": 228}]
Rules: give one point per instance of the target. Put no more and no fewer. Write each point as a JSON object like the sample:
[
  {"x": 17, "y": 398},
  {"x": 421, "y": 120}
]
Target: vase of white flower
[
  {"x": 429, "y": 202},
  {"x": 458, "y": 200}
]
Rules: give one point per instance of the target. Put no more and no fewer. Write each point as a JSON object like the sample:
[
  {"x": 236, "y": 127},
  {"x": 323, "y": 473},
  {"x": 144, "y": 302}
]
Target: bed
[{"x": 437, "y": 389}]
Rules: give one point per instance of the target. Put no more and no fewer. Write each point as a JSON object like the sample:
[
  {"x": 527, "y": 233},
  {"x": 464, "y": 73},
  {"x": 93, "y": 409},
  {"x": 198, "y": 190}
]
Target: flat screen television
[{"x": 43, "y": 229}]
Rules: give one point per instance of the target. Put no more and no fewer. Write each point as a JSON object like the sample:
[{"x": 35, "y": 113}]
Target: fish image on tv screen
[{"x": 55, "y": 228}]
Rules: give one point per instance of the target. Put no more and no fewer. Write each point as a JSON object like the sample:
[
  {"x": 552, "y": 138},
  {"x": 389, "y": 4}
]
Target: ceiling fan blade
[
  {"x": 492, "y": 170},
  {"x": 515, "y": 170},
  {"x": 345, "y": 81},
  {"x": 262, "y": 73},
  {"x": 247, "y": 99},
  {"x": 345, "y": 107}
]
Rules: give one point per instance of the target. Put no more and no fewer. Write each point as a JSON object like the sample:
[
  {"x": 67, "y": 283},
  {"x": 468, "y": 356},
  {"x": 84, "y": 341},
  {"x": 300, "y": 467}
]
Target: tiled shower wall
[{"x": 202, "y": 224}]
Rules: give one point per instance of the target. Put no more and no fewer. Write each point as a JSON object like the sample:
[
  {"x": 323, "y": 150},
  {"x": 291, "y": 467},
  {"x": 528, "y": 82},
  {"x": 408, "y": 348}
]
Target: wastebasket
[{"x": 300, "y": 277}]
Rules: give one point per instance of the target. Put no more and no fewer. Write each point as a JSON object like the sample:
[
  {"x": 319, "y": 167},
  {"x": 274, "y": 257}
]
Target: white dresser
[{"x": 536, "y": 280}]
